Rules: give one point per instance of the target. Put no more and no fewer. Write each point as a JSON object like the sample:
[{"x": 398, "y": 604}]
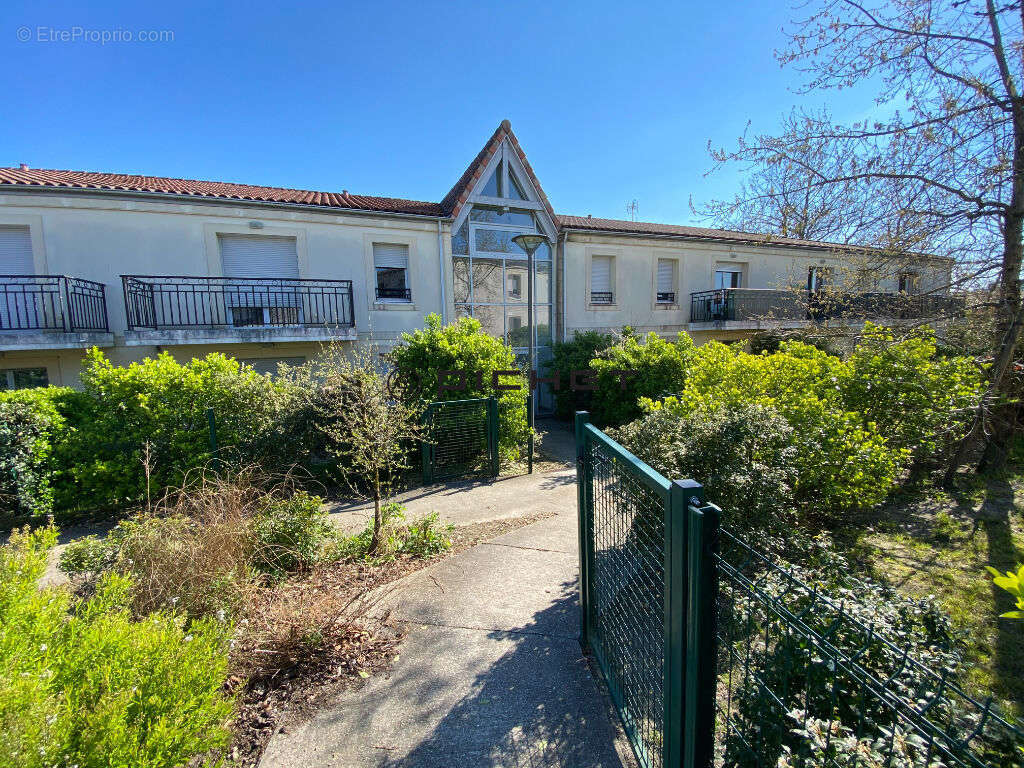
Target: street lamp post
[{"x": 530, "y": 244}]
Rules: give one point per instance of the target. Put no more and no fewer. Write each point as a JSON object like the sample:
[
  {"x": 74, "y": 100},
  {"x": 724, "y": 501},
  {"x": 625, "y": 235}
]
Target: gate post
[
  {"x": 582, "y": 502},
  {"x": 676, "y": 622},
  {"x": 529, "y": 445},
  {"x": 425, "y": 446},
  {"x": 492, "y": 436},
  {"x": 702, "y": 522}
]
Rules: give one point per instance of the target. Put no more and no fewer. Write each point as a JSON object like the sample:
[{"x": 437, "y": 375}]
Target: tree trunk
[
  {"x": 998, "y": 431},
  {"x": 378, "y": 523}
]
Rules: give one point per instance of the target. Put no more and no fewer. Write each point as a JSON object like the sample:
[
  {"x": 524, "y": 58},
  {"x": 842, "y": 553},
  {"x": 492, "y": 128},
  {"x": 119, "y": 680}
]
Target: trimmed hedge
[{"x": 462, "y": 346}]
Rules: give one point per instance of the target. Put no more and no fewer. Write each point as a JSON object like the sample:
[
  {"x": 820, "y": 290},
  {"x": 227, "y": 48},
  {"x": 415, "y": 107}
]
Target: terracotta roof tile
[
  {"x": 456, "y": 197},
  {"x": 448, "y": 207},
  {"x": 619, "y": 226},
  {"x": 218, "y": 189}
]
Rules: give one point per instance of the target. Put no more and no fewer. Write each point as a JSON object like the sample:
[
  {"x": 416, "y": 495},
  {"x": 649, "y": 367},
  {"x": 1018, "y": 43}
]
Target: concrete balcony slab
[{"x": 250, "y": 335}]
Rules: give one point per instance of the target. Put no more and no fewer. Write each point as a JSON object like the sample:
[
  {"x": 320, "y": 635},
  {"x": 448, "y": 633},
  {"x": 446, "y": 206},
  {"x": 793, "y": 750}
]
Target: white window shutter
[
  {"x": 666, "y": 276},
  {"x": 265, "y": 256},
  {"x": 601, "y": 274},
  {"x": 390, "y": 256},
  {"x": 16, "y": 251}
]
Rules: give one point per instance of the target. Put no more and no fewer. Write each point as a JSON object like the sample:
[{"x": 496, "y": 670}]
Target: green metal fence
[
  {"x": 647, "y": 598},
  {"x": 461, "y": 439},
  {"x": 699, "y": 633},
  {"x": 803, "y": 680}
]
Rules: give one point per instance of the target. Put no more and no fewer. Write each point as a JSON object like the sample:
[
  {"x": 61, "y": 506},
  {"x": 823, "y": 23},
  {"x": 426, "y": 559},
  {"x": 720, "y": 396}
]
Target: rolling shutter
[
  {"x": 390, "y": 256},
  {"x": 601, "y": 274},
  {"x": 16, "y": 251},
  {"x": 259, "y": 256},
  {"x": 666, "y": 276}
]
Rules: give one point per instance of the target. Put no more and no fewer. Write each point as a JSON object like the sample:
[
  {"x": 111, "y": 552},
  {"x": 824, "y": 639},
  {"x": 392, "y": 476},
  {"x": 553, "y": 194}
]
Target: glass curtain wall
[{"x": 491, "y": 280}]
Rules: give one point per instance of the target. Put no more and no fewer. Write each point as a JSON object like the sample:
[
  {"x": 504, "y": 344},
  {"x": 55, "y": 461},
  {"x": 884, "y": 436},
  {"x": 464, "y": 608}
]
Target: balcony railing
[
  {"x": 666, "y": 297},
  {"x": 53, "y": 303},
  {"x": 183, "y": 303},
  {"x": 395, "y": 293},
  {"x": 601, "y": 297},
  {"x": 757, "y": 304}
]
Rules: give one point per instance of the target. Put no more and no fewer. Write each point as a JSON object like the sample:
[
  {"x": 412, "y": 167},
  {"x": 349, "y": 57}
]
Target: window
[
  {"x": 268, "y": 365},
  {"x": 515, "y": 286},
  {"x": 666, "y": 281},
  {"x": 391, "y": 264},
  {"x": 601, "y": 280},
  {"x": 261, "y": 266},
  {"x": 23, "y": 378},
  {"x": 728, "y": 278},
  {"x": 515, "y": 189},
  {"x": 909, "y": 282},
  {"x": 16, "y": 251},
  {"x": 490, "y": 274},
  {"x": 493, "y": 186},
  {"x": 818, "y": 278}
]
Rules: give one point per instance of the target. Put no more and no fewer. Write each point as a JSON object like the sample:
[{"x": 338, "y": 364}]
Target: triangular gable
[{"x": 455, "y": 200}]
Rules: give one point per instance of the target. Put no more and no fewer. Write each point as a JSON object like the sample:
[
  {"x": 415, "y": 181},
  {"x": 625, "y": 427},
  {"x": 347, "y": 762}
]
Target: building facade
[{"x": 136, "y": 265}]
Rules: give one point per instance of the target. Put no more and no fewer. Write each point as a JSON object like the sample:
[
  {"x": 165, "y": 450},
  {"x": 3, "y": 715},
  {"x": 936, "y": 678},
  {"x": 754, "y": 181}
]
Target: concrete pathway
[
  {"x": 479, "y": 501},
  {"x": 491, "y": 672}
]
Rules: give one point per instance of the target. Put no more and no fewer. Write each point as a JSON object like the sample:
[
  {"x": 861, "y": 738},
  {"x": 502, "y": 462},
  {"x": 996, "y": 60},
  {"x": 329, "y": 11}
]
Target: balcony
[
  {"x": 52, "y": 312},
  {"x": 753, "y": 308},
  {"x": 202, "y": 310},
  {"x": 394, "y": 294}
]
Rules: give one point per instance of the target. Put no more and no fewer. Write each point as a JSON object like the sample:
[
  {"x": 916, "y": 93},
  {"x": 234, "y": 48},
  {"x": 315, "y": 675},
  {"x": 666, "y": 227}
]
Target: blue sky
[{"x": 611, "y": 102}]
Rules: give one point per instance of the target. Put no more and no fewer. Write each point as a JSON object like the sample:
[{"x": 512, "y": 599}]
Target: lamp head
[{"x": 530, "y": 243}]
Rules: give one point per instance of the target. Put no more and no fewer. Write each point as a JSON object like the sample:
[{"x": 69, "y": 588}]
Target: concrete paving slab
[
  {"x": 522, "y": 700},
  {"x": 495, "y": 588},
  {"x": 467, "y": 502},
  {"x": 490, "y": 674},
  {"x": 556, "y": 534}
]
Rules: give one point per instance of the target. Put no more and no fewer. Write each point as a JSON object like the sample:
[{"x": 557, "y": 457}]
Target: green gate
[
  {"x": 461, "y": 439},
  {"x": 647, "y": 595},
  {"x": 693, "y": 627}
]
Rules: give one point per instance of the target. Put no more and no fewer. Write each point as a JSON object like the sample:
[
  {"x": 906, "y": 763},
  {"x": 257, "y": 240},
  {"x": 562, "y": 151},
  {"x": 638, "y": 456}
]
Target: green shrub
[
  {"x": 843, "y": 464},
  {"x": 786, "y": 688},
  {"x": 743, "y": 456},
  {"x": 635, "y": 369},
  {"x": 462, "y": 346},
  {"x": 90, "y": 556},
  {"x": 162, "y": 403},
  {"x": 925, "y": 401},
  {"x": 83, "y": 683},
  {"x": 423, "y": 537},
  {"x": 290, "y": 534},
  {"x": 575, "y": 355},
  {"x": 24, "y": 460}
]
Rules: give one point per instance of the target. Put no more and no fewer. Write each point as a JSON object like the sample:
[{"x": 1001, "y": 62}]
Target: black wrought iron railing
[
  {"x": 601, "y": 297},
  {"x": 732, "y": 304},
  {"x": 56, "y": 303},
  {"x": 666, "y": 297},
  {"x": 394, "y": 293},
  {"x": 178, "y": 302}
]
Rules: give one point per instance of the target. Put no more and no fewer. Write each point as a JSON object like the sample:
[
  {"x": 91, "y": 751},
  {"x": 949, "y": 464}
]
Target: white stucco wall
[
  {"x": 634, "y": 272},
  {"x": 102, "y": 237}
]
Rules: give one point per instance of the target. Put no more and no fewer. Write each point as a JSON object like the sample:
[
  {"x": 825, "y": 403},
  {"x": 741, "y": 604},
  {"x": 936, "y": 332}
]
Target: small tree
[{"x": 369, "y": 429}]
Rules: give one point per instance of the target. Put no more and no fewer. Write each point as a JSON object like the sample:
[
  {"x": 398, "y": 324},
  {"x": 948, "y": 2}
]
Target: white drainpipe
[{"x": 440, "y": 260}]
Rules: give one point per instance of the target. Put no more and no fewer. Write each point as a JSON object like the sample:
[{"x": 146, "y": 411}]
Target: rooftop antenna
[{"x": 631, "y": 210}]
